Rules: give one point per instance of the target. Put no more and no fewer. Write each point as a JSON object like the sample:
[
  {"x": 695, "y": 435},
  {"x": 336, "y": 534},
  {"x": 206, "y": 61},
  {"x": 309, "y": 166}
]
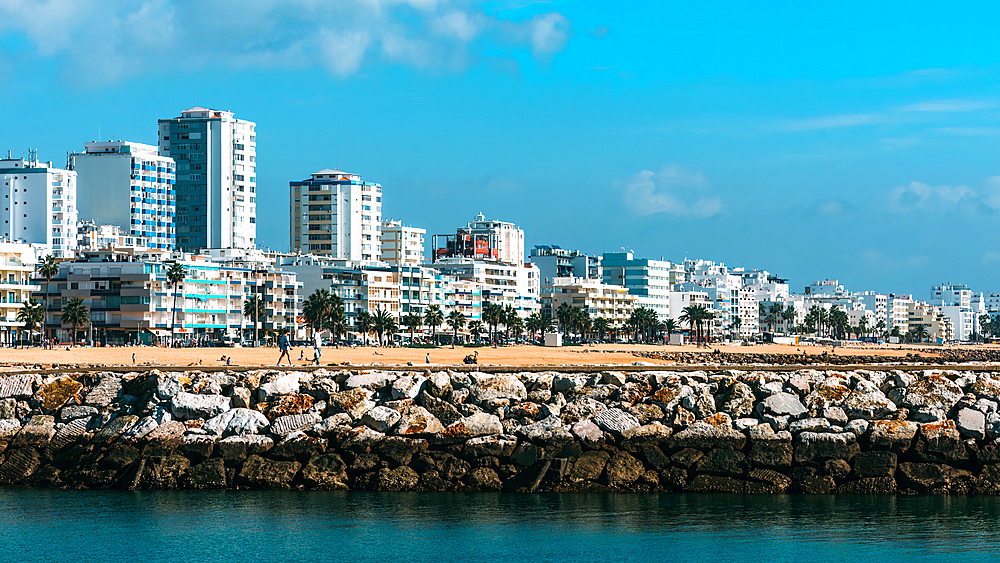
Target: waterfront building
[
  {"x": 482, "y": 239},
  {"x": 503, "y": 283},
  {"x": 39, "y": 204},
  {"x": 401, "y": 245},
  {"x": 612, "y": 302},
  {"x": 336, "y": 214},
  {"x": 555, "y": 262},
  {"x": 216, "y": 178},
  {"x": 91, "y": 236},
  {"x": 17, "y": 262},
  {"x": 650, "y": 281},
  {"x": 748, "y": 311},
  {"x": 129, "y": 185}
]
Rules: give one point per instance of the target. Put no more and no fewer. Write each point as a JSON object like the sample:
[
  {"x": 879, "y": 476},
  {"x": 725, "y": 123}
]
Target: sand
[{"x": 612, "y": 354}]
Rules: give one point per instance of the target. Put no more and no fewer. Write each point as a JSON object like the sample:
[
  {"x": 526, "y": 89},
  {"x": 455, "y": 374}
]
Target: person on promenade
[
  {"x": 317, "y": 347},
  {"x": 427, "y": 358},
  {"x": 283, "y": 346}
]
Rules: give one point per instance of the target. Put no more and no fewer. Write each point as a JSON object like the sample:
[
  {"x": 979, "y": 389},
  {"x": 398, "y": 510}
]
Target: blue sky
[{"x": 843, "y": 140}]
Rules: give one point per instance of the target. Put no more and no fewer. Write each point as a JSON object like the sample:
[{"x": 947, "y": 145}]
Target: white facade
[
  {"x": 336, "y": 214},
  {"x": 877, "y": 303},
  {"x": 216, "y": 186},
  {"x": 611, "y": 302},
  {"x": 402, "y": 245},
  {"x": 39, "y": 204},
  {"x": 91, "y": 237},
  {"x": 897, "y": 312},
  {"x": 129, "y": 185},
  {"x": 748, "y": 311},
  {"x": 504, "y": 284},
  {"x": 17, "y": 262},
  {"x": 650, "y": 281}
]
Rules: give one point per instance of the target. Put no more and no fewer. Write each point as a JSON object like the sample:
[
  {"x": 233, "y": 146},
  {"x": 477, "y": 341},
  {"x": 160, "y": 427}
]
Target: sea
[{"x": 357, "y": 526}]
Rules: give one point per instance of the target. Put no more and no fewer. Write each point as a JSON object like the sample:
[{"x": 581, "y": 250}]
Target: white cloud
[
  {"x": 920, "y": 196},
  {"x": 948, "y": 106},
  {"x": 670, "y": 192},
  {"x": 991, "y": 258},
  {"x": 103, "y": 41},
  {"x": 830, "y": 122}
]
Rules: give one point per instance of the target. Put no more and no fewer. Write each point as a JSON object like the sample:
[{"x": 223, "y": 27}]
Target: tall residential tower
[
  {"x": 216, "y": 178},
  {"x": 335, "y": 214},
  {"x": 39, "y": 204}
]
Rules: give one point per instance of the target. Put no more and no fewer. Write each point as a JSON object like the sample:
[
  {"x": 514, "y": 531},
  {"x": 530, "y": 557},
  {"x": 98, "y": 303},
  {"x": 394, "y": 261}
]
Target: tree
[
  {"x": 364, "y": 322},
  {"x": 75, "y": 313},
  {"x": 32, "y": 314},
  {"x": 862, "y": 326},
  {"x": 175, "y": 275},
  {"x": 383, "y": 323},
  {"x": 48, "y": 268},
  {"x": 456, "y": 320},
  {"x": 253, "y": 307},
  {"x": 919, "y": 333},
  {"x": 533, "y": 324},
  {"x": 316, "y": 309},
  {"x": 691, "y": 315},
  {"x": 736, "y": 323},
  {"x": 546, "y": 324},
  {"x": 839, "y": 323},
  {"x": 475, "y": 329},
  {"x": 493, "y": 315},
  {"x": 516, "y": 326},
  {"x": 509, "y": 314},
  {"x": 433, "y": 317},
  {"x": 412, "y": 322},
  {"x": 565, "y": 315},
  {"x": 601, "y": 326},
  {"x": 789, "y": 317}
]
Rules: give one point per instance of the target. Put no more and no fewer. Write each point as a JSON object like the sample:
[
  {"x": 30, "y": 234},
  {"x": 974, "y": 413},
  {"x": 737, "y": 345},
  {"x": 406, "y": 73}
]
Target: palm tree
[
  {"x": 364, "y": 322},
  {"x": 788, "y": 315},
  {"x": 565, "y": 315},
  {"x": 690, "y": 315},
  {"x": 433, "y": 317},
  {"x": 546, "y": 324},
  {"x": 919, "y": 333},
  {"x": 413, "y": 322},
  {"x": 384, "y": 323},
  {"x": 493, "y": 315},
  {"x": 75, "y": 313},
  {"x": 48, "y": 268},
  {"x": 600, "y": 327},
  {"x": 509, "y": 314},
  {"x": 456, "y": 320},
  {"x": 516, "y": 326},
  {"x": 475, "y": 329},
  {"x": 175, "y": 275},
  {"x": 533, "y": 324},
  {"x": 316, "y": 309},
  {"x": 32, "y": 314},
  {"x": 253, "y": 307}
]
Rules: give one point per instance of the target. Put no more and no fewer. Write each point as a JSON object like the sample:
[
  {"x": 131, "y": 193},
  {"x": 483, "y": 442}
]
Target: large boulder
[
  {"x": 769, "y": 448},
  {"x": 623, "y": 470},
  {"x": 941, "y": 441},
  {"x": 875, "y": 463},
  {"x": 479, "y": 424},
  {"x": 546, "y": 432},
  {"x": 784, "y": 404},
  {"x": 37, "y": 432},
  {"x": 325, "y": 472},
  {"x": 615, "y": 421},
  {"x": 284, "y": 425},
  {"x": 108, "y": 388},
  {"x": 895, "y": 435},
  {"x": 710, "y": 434},
  {"x": 19, "y": 386},
  {"x": 418, "y": 421},
  {"x": 487, "y": 387},
  {"x": 971, "y": 423},
  {"x": 262, "y": 473},
  {"x": 827, "y": 445},
  {"x": 286, "y": 384},
  {"x": 190, "y": 406},
  {"x": 236, "y": 422},
  {"x": 498, "y": 445},
  {"x": 380, "y": 419},
  {"x": 355, "y": 402},
  {"x": 55, "y": 391},
  {"x": 933, "y": 391},
  {"x": 235, "y": 449}
]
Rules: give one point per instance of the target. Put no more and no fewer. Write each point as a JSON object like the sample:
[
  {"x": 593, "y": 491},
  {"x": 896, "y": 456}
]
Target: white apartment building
[
  {"x": 216, "y": 178},
  {"x": 336, "y": 214},
  {"x": 482, "y": 239},
  {"x": 402, "y": 245},
  {"x": 956, "y": 303},
  {"x": 897, "y": 312},
  {"x": 91, "y": 237},
  {"x": 504, "y": 284},
  {"x": 17, "y": 262},
  {"x": 748, "y": 311},
  {"x": 39, "y": 204},
  {"x": 612, "y": 302},
  {"x": 650, "y": 281},
  {"x": 130, "y": 185},
  {"x": 878, "y": 304}
]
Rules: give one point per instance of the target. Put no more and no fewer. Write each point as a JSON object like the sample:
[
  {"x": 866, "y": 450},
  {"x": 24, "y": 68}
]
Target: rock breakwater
[
  {"x": 809, "y": 431},
  {"x": 930, "y": 356}
]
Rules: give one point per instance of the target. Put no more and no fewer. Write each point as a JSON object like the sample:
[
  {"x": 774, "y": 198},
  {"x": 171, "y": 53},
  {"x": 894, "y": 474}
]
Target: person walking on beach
[
  {"x": 317, "y": 347},
  {"x": 427, "y": 358},
  {"x": 283, "y": 346}
]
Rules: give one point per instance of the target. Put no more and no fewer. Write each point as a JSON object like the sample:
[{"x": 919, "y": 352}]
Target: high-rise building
[
  {"x": 402, "y": 245},
  {"x": 555, "y": 262},
  {"x": 482, "y": 239},
  {"x": 216, "y": 178},
  {"x": 39, "y": 204},
  {"x": 334, "y": 213},
  {"x": 651, "y": 281},
  {"x": 127, "y": 184}
]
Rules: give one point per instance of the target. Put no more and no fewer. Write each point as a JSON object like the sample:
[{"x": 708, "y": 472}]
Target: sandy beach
[{"x": 611, "y": 354}]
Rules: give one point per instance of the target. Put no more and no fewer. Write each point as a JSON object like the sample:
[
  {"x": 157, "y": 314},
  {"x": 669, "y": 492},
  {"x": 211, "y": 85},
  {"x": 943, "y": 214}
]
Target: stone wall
[{"x": 862, "y": 431}]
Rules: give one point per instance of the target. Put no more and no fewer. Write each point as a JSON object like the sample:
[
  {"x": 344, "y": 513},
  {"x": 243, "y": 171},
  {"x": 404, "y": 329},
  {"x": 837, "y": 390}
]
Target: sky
[{"x": 848, "y": 140}]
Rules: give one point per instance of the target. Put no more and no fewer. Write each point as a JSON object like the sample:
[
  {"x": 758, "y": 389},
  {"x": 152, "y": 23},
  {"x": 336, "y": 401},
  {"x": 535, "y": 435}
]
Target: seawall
[{"x": 875, "y": 430}]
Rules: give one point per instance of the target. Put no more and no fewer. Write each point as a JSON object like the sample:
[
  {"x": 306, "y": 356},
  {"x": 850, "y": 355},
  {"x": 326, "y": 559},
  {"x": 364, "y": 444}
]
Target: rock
[
  {"x": 835, "y": 415},
  {"x": 934, "y": 391},
  {"x": 716, "y": 484},
  {"x": 236, "y": 422},
  {"x": 380, "y": 419},
  {"x": 986, "y": 388},
  {"x": 816, "y": 484},
  {"x": 284, "y": 405},
  {"x": 701, "y": 403},
  {"x": 189, "y": 406},
  {"x": 167, "y": 472},
  {"x": 971, "y": 423},
  {"x": 171, "y": 386},
  {"x": 209, "y": 474},
  {"x": 819, "y": 446},
  {"x": 140, "y": 430},
  {"x": 739, "y": 401},
  {"x": 480, "y": 424},
  {"x": 499, "y": 446},
  {"x": 484, "y": 479},
  {"x": 615, "y": 421},
  {"x": 72, "y": 412},
  {"x": 68, "y": 434},
  {"x": 925, "y": 477},
  {"x": 567, "y": 383},
  {"x": 723, "y": 462},
  {"x": 623, "y": 470},
  {"x": 547, "y": 432},
  {"x": 284, "y": 425},
  {"x": 370, "y": 380},
  {"x": 401, "y": 478},
  {"x": 784, "y": 404},
  {"x": 18, "y": 465},
  {"x": 37, "y": 432},
  {"x": 589, "y": 466},
  {"x": 56, "y": 391},
  {"x": 857, "y": 427},
  {"x": 240, "y": 398},
  {"x": 875, "y": 463},
  {"x": 639, "y": 438},
  {"x": 767, "y": 481},
  {"x": 940, "y": 441},
  {"x": 895, "y": 435},
  {"x": 418, "y": 421},
  {"x": 707, "y": 436},
  {"x": 235, "y": 449},
  {"x": 325, "y": 472},
  {"x": 869, "y": 406},
  {"x": 809, "y": 425},
  {"x": 686, "y": 458},
  {"x": 828, "y": 393},
  {"x": 9, "y": 427},
  {"x": 106, "y": 390},
  {"x": 298, "y": 446},
  {"x": 489, "y": 387},
  {"x": 287, "y": 384},
  {"x": 261, "y": 473},
  {"x": 589, "y": 434},
  {"x": 407, "y": 387},
  {"x": 17, "y": 386},
  {"x": 112, "y": 430},
  {"x": 770, "y": 449},
  {"x": 198, "y": 447},
  {"x": 355, "y": 402},
  {"x": 869, "y": 485}
]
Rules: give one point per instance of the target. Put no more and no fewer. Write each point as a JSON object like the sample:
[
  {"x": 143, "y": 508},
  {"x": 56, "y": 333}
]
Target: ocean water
[{"x": 174, "y": 526}]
